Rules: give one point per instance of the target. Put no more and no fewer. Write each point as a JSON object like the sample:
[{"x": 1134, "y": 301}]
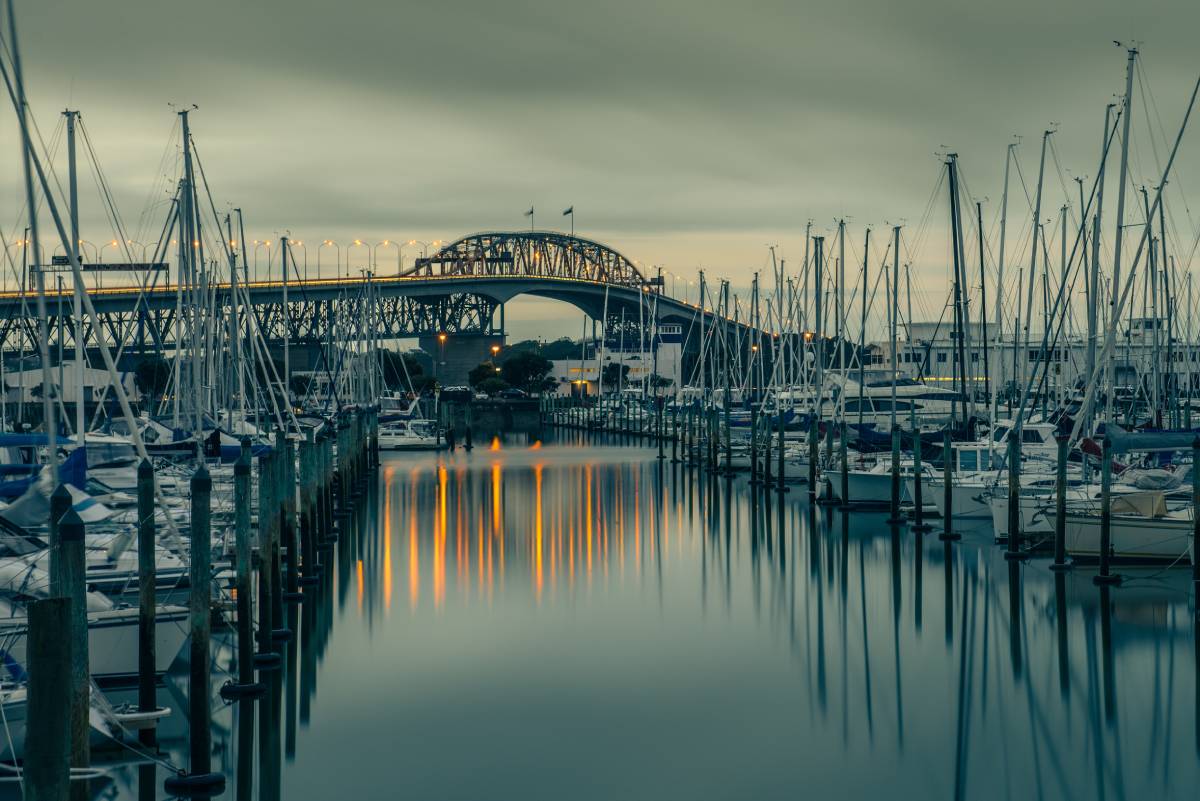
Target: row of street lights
[
  {"x": 342, "y": 269},
  {"x": 133, "y": 250}
]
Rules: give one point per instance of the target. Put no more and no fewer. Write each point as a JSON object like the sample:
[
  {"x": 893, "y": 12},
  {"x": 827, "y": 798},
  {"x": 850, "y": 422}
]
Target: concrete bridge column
[{"x": 455, "y": 355}]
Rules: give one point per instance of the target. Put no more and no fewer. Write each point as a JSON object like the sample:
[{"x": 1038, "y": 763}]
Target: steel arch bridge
[{"x": 459, "y": 289}]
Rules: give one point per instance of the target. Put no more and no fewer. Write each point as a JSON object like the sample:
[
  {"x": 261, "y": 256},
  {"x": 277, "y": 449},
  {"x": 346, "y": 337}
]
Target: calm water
[{"x": 557, "y": 621}]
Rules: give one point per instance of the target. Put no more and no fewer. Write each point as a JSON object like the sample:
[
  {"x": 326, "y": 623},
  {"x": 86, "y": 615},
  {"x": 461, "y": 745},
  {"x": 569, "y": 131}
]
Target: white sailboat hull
[
  {"x": 113, "y": 640},
  {"x": 1131, "y": 537}
]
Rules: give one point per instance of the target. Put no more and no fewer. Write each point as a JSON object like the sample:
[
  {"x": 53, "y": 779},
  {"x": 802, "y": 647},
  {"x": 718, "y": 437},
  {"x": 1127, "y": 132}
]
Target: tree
[
  {"x": 481, "y": 373},
  {"x": 299, "y": 385},
  {"x": 424, "y": 384},
  {"x": 528, "y": 371},
  {"x": 492, "y": 385},
  {"x": 614, "y": 374},
  {"x": 561, "y": 349},
  {"x": 152, "y": 375},
  {"x": 658, "y": 382},
  {"x": 394, "y": 366}
]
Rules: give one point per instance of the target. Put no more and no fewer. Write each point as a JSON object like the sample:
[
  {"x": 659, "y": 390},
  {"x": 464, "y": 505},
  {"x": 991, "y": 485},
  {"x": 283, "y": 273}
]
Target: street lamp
[
  {"x": 20, "y": 243},
  {"x": 258, "y": 244},
  {"x": 399, "y": 254},
  {"x": 330, "y": 243},
  {"x": 303, "y": 256},
  {"x": 441, "y": 354},
  {"x": 357, "y": 243},
  {"x": 425, "y": 246}
]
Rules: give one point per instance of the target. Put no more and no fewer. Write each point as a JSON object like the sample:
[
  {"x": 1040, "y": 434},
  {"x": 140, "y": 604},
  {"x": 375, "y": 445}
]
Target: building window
[
  {"x": 941, "y": 357},
  {"x": 974, "y": 356}
]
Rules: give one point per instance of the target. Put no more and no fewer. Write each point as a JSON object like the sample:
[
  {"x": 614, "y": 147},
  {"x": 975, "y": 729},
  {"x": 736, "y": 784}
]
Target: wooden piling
[
  {"x": 246, "y": 686},
  {"x": 72, "y": 584},
  {"x": 200, "y": 780},
  {"x": 1196, "y": 531},
  {"x": 894, "y": 518},
  {"x": 48, "y": 718},
  {"x": 1060, "y": 506},
  {"x": 1106, "y": 577},
  {"x": 919, "y": 524},
  {"x": 1014, "y": 491},
  {"x": 948, "y": 534},
  {"x": 845, "y": 483},
  {"x": 147, "y": 598}
]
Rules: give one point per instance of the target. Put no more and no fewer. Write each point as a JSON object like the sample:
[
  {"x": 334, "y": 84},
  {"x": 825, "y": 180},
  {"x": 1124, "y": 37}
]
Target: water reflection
[{"x": 590, "y": 622}]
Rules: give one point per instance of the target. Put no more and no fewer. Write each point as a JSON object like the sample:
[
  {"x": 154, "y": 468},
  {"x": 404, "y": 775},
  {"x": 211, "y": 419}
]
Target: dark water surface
[{"x": 565, "y": 622}]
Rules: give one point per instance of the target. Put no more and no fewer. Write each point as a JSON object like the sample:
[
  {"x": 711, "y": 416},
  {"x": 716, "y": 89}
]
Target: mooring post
[
  {"x": 289, "y": 531},
  {"x": 948, "y": 532},
  {"x": 147, "y": 598},
  {"x": 200, "y": 780},
  {"x": 814, "y": 454},
  {"x": 919, "y": 524},
  {"x": 1060, "y": 506},
  {"x": 278, "y": 473},
  {"x": 845, "y": 488},
  {"x": 60, "y": 502},
  {"x": 753, "y": 446},
  {"x": 246, "y": 686},
  {"x": 768, "y": 435},
  {"x": 894, "y": 518},
  {"x": 309, "y": 483},
  {"x": 48, "y": 713},
  {"x": 1106, "y": 577},
  {"x": 265, "y": 603},
  {"x": 780, "y": 467},
  {"x": 1195, "y": 525},
  {"x": 675, "y": 433},
  {"x": 73, "y": 584},
  {"x": 1013, "y": 455}
]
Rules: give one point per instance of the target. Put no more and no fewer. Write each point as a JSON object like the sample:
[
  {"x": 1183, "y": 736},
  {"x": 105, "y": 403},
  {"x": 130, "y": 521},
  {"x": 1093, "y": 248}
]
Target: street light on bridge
[
  {"x": 303, "y": 257},
  {"x": 399, "y": 255},
  {"x": 329, "y": 243},
  {"x": 258, "y": 244},
  {"x": 357, "y": 243}
]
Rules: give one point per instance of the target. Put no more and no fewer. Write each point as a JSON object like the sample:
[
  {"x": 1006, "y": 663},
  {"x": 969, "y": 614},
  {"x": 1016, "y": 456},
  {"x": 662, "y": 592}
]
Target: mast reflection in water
[{"x": 587, "y": 622}]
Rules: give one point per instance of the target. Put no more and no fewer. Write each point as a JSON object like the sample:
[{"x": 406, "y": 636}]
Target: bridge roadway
[
  {"x": 459, "y": 290},
  {"x": 408, "y": 306}
]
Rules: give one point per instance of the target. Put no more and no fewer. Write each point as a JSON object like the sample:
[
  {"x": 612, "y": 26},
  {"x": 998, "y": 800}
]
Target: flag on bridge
[
  {"x": 568, "y": 210},
  {"x": 530, "y": 212}
]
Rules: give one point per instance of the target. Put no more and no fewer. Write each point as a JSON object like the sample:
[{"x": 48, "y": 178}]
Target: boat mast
[
  {"x": 999, "y": 315},
  {"x": 1126, "y": 103},
  {"x": 862, "y": 331},
  {"x": 987, "y": 379},
  {"x": 1033, "y": 260},
  {"x": 77, "y": 308},
  {"x": 895, "y": 300}
]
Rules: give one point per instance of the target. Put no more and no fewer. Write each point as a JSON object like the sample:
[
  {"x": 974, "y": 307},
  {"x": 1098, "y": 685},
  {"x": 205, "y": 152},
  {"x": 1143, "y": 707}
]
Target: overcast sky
[{"x": 685, "y": 133}]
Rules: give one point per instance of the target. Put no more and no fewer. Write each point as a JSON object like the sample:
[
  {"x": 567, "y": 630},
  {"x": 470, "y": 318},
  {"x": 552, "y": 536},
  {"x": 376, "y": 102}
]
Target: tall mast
[
  {"x": 841, "y": 291},
  {"x": 1093, "y": 300},
  {"x": 77, "y": 309},
  {"x": 959, "y": 334},
  {"x": 287, "y": 319},
  {"x": 895, "y": 301},
  {"x": 1120, "y": 236},
  {"x": 987, "y": 379},
  {"x": 818, "y": 255},
  {"x": 999, "y": 315},
  {"x": 1033, "y": 260},
  {"x": 862, "y": 330}
]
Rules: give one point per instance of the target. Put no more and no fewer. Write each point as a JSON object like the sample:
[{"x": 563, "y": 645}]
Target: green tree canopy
[
  {"x": 482, "y": 372},
  {"x": 528, "y": 371},
  {"x": 614, "y": 374},
  {"x": 152, "y": 375}
]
